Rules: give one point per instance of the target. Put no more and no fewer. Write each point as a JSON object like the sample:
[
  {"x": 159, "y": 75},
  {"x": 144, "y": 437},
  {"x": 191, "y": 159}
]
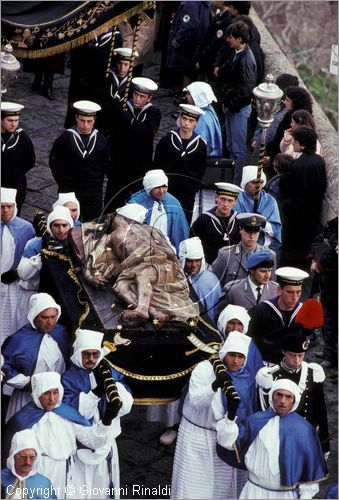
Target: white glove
[
  {"x": 308, "y": 490},
  {"x": 264, "y": 378},
  {"x": 326, "y": 455},
  {"x": 268, "y": 229}
]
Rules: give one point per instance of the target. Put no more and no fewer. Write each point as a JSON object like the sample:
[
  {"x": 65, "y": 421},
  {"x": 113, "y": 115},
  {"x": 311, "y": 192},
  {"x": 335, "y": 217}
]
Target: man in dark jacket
[
  {"x": 238, "y": 78},
  {"x": 188, "y": 28},
  {"x": 17, "y": 151}
]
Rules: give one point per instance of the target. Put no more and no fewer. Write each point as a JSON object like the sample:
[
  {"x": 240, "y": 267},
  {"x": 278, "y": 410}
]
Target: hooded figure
[
  {"x": 15, "y": 232},
  {"x": 82, "y": 392},
  {"x": 51, "y": 420},
  {"x": 163, "y": 210},
  {"x": 267, "y": 206},
  {"x": 70, "y": 201},
  {"x": 204, "y": 283},
  {"x": 20, "y": 478},
  {"x": 195, "y": 454},
  {"x": 266, "y": 441},
  {"x": 208, "y": 127},
  {"x": 41, "y": 345}
]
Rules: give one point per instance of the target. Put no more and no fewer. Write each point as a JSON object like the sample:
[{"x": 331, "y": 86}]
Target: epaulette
[
  {"x": 318, "y": 372},
  {"x": 231, "y": 283},
  {"x": 264, "y": 247},
  {"x": 226, "y": 247}
]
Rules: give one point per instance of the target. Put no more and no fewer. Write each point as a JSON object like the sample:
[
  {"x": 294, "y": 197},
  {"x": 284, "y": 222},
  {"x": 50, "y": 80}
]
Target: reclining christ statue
[{"x": 142, "y": 267}]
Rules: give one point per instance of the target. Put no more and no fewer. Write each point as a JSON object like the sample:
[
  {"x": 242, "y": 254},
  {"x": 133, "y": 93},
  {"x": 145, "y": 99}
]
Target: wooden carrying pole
[{"x": 130, "y": 71}]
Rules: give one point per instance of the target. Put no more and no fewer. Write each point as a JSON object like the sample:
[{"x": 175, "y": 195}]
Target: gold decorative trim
[
  {"x": 87, "y": 37},
  {"x": 151, "y": 378},
  {"x": 153, "y": 401}
]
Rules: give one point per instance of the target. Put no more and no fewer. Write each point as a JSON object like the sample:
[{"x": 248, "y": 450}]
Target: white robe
[
  {"x": 96, "y": 469},
  {"x": 56, "y": 438},
  {"x": 29, "y": 274},
  {"x": 262, "y": 462},
  {"x": 50, "y": 359},
  {"x": 10, "y": 292},
  {"x": 198, "y": 472}
]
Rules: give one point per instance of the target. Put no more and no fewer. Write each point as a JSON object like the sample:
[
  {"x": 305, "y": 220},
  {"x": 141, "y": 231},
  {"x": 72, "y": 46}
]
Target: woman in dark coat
[{"x": 302, "y": 191}]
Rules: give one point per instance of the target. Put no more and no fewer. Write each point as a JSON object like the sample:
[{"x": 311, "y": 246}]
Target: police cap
[{"x": 251, "y": 222}]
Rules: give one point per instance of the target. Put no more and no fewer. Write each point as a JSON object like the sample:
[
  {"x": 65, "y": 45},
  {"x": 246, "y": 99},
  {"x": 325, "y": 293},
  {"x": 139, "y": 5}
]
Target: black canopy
[{"x": 40, "y": 29}]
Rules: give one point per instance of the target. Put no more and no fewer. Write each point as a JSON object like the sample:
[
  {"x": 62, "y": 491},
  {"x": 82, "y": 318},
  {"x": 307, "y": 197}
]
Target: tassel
[{"x": 310, "y": 315}]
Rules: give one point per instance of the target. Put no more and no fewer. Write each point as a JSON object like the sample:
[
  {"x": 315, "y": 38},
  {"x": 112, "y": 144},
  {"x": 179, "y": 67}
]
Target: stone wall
[{"x": 276, "y": 63}]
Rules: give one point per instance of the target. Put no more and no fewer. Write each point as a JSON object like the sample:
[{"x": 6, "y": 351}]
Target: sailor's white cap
[
  {"x": 228, "y": 189},
  {"x": 291, "y": 275},
  {"x": 11, "y": 108},
  {"x": 88, "y": 108},
  {"x": 124, "y": 53},
  {"x": 190, "y": 110},
  {"x": 144, "y": 84}
]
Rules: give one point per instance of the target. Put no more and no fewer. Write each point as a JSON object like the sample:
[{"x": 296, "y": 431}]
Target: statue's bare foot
[
  {"x": 133, "y": 315},
  {"x": 159, "y": 316}
]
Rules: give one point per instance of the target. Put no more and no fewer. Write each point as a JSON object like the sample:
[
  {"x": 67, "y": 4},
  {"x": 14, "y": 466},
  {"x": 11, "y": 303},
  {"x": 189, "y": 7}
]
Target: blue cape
[
  {"x": 207, "y": 287},
  {"x": 30, "y": 415},
  {"x": 209, "y": 128},
  {"x": 300, "y": 455},
  {"x": 76, "y": 380},
  {"x": 177, "y": 226},
  {"x": 267, "y": 206},
  {"x": 22, "y": 231},
  {"x": 21, "y": 349},
  {"x": 38, "y": 485}
]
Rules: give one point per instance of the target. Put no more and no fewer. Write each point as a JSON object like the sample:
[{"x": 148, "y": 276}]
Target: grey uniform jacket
[
  {"x": 229, "y": 264},
  {"x": 239, "y": 293}
]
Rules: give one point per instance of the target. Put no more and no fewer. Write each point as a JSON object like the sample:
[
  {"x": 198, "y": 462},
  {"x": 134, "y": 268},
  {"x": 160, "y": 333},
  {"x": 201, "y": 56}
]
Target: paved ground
[{"x": 144, "y": 462}]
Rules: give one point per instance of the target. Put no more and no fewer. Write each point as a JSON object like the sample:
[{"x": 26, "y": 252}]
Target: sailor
[
  {"x": 218, "y": 227},
  {"x": 309, "y": 377},
  {"x": 117, "y": 77},
  {"x": 79, "y": 159},
  {"x": 17, "y": 151},
  {"x": 273, "y": 314},
  {"x": 163, "y": 210},
  {"x": 182, "y": 153},
  {"x": 230, "y": 262}
]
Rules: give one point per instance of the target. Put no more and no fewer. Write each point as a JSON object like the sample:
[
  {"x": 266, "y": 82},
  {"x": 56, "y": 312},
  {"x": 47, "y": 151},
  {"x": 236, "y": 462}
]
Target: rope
[
  {"x": 109, "y": 61},
  {"x": 130, "y": 71}
]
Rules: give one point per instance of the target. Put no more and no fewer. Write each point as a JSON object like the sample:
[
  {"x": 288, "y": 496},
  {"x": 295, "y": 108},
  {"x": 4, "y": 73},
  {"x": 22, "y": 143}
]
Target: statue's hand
[{"x": 96, "y": 281}]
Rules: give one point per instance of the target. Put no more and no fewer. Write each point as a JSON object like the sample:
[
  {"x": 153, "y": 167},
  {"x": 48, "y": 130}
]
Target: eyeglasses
[
  {"x": 27, "y": 457},
  {"x": 87, "y": 354}
]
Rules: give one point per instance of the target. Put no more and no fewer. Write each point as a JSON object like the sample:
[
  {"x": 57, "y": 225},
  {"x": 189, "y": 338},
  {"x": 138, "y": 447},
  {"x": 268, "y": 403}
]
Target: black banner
[{"x": 40, "y": 29}]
